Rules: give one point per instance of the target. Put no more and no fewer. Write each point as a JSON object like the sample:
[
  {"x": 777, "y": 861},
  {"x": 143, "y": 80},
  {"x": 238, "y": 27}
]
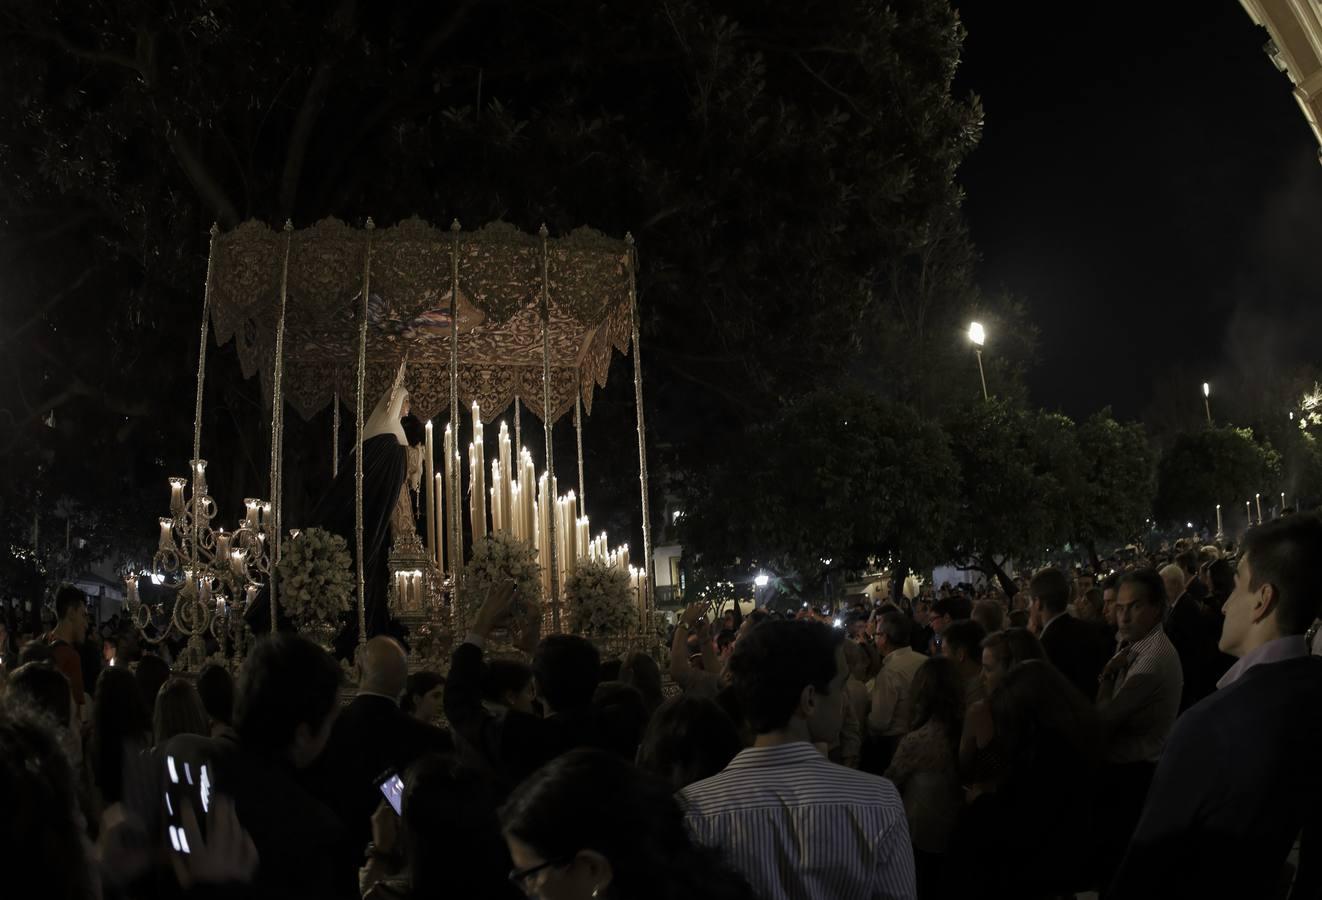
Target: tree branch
[
  {"x": 212, "y": 194},
  {"x": 46, "y": 307}
]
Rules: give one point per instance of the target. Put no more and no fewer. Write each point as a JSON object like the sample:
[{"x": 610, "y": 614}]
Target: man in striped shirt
[
  {"x": 795, "y": 825},
  {"x": 1137, "y": 702}
]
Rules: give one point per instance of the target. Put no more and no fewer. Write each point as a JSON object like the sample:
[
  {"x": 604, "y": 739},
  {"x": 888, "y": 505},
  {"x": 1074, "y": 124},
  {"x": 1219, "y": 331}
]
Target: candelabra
[
  {"x": 417, "y": 595},
  {"x": 215, "y": 574}
]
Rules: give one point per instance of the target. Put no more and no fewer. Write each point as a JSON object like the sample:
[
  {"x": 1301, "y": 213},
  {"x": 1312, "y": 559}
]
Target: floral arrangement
[
  {"x": 599, "y": 601},
  {"x": 315, "y": 576},
  {"x": 499, "y": 558}
]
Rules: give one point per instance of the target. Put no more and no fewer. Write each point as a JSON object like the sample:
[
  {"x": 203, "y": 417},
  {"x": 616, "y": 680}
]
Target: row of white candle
[{"x": 1248, "y": 510}]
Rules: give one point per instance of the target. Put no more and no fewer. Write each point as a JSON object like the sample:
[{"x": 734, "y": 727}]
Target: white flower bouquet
[
  {"x": 600, "y": 602},
  {"x": 315, "y": 576},
  {"x": 499, "y": 558}
]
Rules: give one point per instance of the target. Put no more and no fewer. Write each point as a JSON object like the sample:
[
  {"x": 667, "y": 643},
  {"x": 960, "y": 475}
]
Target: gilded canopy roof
[{"x": 502, "y": 271}]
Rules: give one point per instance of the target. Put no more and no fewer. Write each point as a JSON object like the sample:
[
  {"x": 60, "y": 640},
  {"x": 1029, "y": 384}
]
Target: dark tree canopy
[{"x": 1224, "y": 465}]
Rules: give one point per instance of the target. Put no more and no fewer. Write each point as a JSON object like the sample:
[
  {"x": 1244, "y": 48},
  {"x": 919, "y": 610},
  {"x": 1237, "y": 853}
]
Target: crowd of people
[{"x": 1152, "y": 733}]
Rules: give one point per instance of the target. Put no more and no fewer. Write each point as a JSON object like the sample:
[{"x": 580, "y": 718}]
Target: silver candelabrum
[{"x": 215, "y": 574}]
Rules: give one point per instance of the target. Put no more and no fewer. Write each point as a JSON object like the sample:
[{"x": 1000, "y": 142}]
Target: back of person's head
[
  {"x": 610, "y": 670},
  {"x": 1110, "y": 583},
  {"x": 964, "y": 637},
  {"x": 1222, "y": 575},
  {"x": 287, "y": 685},
  {"x": 689, "y": 739},
  {"x": 897, "y": 628},
  {"x": 1049, "y": 729},
  {"x": 1187, "y": 560},
  {"x": 1094, "y": 602},
  {"x": 179, "y": 710},
  {"x": 1208, "y": 554},
  {"x": 41, "y": 837},
  {"x": 624, "y": 716},
  {"x": 450, "y": 833},
  {"x": 385, "y": 667},
  {"x": 1287, "y": 554},
  {"x": 1013, "y": 646},
  {"x": 44, "y": 688},
  {"x": 774, "y": 663},
  {"x": 567, "y": 669},
  {"x": 151, "y": 673},
  {"x": 121, "y": 725},
  {"x": 938, "y": 696},
  {"x": 1051, "y": 588},
  {"x": 504, "y": 677},
  {"x": 1173, "y": 577},
  {"x": 989, "y": 614},
  {"x": 419, "y": 685},
  {"x": 215, "y": 685},
  {"x": 1017, "y": 618},
  {"x": 641, "y": 671},
  {"x": 618, "y": 830},
  {"x": 856, "y": 659},
  {"x": 67, "y": 599},
  {"x": 724, "y": 640}
]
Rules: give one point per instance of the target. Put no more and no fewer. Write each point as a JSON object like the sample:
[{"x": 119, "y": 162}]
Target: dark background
[{"x": 1148, "y": 185}]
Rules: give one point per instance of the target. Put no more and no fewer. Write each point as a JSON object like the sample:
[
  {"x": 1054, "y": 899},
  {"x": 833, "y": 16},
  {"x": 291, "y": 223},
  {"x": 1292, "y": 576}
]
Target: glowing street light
[
  {"x": 1207, "y": 402},
  {"x": 761, "y": 581},
  {"x": 978, "y": 335}
]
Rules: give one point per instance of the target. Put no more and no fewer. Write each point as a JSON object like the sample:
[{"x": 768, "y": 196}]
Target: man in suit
[
  {"x": 1194, "y": 631},
  {"x": 1239, "y": 780},
  {"x": 1072, "y": 646},
  {"x": 372, "y": 737}
]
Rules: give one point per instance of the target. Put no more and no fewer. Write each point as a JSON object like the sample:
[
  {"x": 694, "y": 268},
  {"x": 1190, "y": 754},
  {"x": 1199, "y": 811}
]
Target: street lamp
[
  {"x": 978, "y": 335},
  {"x": 1207, "y": 402}
]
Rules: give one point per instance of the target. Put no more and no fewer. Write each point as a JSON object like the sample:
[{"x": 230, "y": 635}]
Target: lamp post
[
  {"x": 978, "y": 336},
  {"x": 1207, "y": 402}
]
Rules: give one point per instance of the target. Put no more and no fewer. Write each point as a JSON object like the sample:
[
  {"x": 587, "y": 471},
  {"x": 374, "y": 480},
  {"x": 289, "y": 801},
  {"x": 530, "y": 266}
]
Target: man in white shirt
[
  {"x": 892, "y": 705},
  {"x": 797, "y": 826}
]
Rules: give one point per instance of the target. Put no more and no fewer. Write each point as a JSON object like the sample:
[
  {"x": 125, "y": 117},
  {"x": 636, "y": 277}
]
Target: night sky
[{"x": 1147, "y": 184}]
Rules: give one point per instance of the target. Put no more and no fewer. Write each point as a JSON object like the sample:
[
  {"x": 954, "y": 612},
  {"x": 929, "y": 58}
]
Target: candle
[
  {"x": 437, "y": 508},
  {"x": 266, "y": 516},
  {"x": 1248, "y": 511},
  {"x": 497, "y": 523},
  {"x": 250, "y": 594},
  {"x": 507, "y": 473},
  {"x": 204, "y": 590},
  {"x": 167, "y": 534},
  {"x": 222, "y": 545},
  {"x": 1219, "y": 530},
  {"x": 479, "y": 473},
  {"x": 624, "y": 557},
  {"x": 200, "y": 478},
  {"x": 1258, "y": 498},
  {"x": 453, "y": 538},
  {"x": 131, "y": 589},
  {"x": 250, "y": 517},
  {"x": 430, "y": 466},
  {"x": 238, "y": 562},
  {"x": 1282, "y": 501},
  {"x": 177, "y": 495}
]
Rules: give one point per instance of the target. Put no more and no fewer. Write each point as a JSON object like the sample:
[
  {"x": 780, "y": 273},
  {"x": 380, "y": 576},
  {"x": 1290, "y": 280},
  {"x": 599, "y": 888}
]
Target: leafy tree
[
  {"x": 1203, "y": 468},
  {"x": 1018, "y": 470},
  {"x": 1115, "y": 484},
  {"x": 837, "y": 476}
]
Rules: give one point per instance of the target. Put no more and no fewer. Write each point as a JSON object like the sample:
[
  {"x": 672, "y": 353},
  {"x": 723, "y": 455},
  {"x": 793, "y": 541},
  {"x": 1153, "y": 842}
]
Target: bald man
[
  {"x": 1194, "y": 630},
  {"x": 372, "y": 737}
]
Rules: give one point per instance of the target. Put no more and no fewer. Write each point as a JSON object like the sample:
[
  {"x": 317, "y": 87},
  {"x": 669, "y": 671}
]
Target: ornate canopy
[{"x": 502, "y": 272}]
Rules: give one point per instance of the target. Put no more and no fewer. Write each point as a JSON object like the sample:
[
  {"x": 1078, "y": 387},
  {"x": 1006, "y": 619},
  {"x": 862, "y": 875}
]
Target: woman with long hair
[
  {"x": 423, "y": 694},
  {"x": 589, "y": 825},
  {"x": 1050, "y": 740},
  {"x": 689, "y": 739},
  {"x": 979, "y": 756},
  {"x": 926, "y": 768},
  {"x": 179, "y": 710},
  {"x": 120, "y": 728}
]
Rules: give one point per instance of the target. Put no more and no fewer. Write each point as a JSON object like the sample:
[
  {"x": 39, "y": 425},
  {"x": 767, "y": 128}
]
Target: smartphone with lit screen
[
  {"x": 187, "y": 785},
  {"x": 392, "y": 788}
]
